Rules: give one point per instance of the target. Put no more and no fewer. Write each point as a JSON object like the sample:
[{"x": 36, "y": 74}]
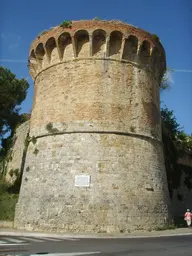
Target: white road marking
[
  {"x": 2, "y": 242},
  {"x": 24, "y": 240},
  {"x": 59, "y": 239},
  {"x": 33, "y": 239},
  {"x": 51, "y": 239},
  {"x": 11, "y": 244},
  {"x": 43, "y": 239},
  {"x": 68, "y": 254},
  {"x": 70, "y": 239},
  {"x": 14, "y": 240}
]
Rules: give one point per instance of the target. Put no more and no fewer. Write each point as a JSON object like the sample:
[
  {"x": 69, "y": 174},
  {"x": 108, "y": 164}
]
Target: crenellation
[{"x": 78, "y": 43}]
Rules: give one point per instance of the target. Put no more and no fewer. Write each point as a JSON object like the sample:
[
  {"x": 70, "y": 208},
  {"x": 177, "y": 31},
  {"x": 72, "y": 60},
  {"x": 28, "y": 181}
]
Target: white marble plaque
[{"x": 82, "y": 180}]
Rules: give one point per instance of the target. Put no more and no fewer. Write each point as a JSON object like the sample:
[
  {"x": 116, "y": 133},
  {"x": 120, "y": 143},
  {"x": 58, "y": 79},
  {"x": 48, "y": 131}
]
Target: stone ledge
[
  {"x": 135, "y": 234},
  {"x": 131, "y": 134}
]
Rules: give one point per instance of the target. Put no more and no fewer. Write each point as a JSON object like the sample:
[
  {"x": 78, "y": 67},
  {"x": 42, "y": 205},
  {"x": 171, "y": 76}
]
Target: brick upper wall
[
  {"x": 91, "y": 25},
  {"x": 97, "y": 39}
]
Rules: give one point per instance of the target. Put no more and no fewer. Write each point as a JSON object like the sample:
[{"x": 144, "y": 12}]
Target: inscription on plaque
[{"x": 82, "y": 180}]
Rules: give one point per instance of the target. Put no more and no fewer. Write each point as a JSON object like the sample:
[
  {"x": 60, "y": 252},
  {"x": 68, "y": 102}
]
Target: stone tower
[{"x": 97, "y": 162}]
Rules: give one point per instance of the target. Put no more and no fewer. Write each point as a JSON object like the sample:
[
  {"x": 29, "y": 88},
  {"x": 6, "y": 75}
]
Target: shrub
[
  {"x": 155, "y": 37},
  {"x": 7, "y": 206},
  {"x": 66, "y": 24},
  {"x": 11, "y": 172},
  {"x": 3, "y": 187},
  {"x": 165, "y": 227},
  {"x": 8, "y": 200},
  {"x": 27, "y": 169},
  {"x": 50, "y": 128},
  {"x": 33, "y": 140},
  {"x": 16, "y": 172},
  {"x": 36, "y": 151},
  {"x": 132, "y": 129},
  {"x": 96, "y": 18}
]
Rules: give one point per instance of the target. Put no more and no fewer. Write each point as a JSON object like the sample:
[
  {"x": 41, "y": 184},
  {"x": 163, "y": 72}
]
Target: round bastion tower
[{"x": 95, "y": 158}]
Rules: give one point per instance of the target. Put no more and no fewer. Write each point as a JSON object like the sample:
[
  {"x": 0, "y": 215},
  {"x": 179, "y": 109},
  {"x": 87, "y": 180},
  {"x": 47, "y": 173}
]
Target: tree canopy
[
  {"x": 165, "y": 81},
  {"x": 12, "y": 93},
  {"x": 175, "y": 143}
]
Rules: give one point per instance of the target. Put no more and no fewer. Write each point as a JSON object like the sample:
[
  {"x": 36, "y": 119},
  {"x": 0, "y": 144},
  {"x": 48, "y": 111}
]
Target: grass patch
[
  {"x": 8, "y": 200},
  {"x": 165, "y": 227}
]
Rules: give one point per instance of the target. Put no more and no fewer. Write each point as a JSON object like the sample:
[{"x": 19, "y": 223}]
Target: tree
[
  {"x": 12, "y": 93},
  {"x": 175, "y": 143},
  {"x": 165, "y": 81},
  {"x": 170, "y": 123}
]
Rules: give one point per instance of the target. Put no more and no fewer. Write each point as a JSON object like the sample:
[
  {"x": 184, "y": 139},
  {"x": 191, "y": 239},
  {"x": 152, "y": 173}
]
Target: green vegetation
[
  {"x": 36, "y": 151},
  {"x": 176, "y": 143},
  {"x": 165, "y": 83},
  {"x": 8, "y": 199},
  {"x": 13, "y": 172},
  {"x": 132, "y": 128},
  {"x": 50, "y": 129},
  {"x": 165, "y": 227},
  {"x": 33, "y": 140},
  {"x": 66, "y": 24},
  {"x": 16, "y": 172},
  {"x": 155, "y": 37},
  {"x": 12, "y": 91},
  {"x": 96, "y": 18}
]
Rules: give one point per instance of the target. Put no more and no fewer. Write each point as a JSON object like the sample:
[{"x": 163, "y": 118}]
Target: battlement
[{"x": 97, "y": 40}]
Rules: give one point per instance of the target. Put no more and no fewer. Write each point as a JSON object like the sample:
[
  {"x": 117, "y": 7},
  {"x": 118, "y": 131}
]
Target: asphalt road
[{"x": 161, "y": 246}]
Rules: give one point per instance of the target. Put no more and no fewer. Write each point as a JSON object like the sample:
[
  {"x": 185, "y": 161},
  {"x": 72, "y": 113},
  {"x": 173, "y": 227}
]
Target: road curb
[{"x": 131, "y": 236}]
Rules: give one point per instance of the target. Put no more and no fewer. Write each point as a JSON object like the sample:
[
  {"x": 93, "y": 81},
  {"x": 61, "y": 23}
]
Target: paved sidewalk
[{"x": 136, "y": 234}]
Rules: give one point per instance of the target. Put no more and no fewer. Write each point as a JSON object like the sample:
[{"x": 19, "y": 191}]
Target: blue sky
[{"x": 21, "y": 21}]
